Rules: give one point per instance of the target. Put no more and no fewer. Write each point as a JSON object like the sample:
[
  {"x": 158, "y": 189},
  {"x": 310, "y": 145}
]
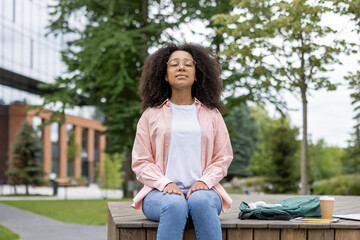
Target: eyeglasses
[{"x": 187, "y": 62}]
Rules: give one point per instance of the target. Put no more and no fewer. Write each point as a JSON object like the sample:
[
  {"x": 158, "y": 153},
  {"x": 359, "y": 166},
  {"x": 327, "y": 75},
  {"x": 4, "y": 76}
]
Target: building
[{"x": 27, "y": 58}]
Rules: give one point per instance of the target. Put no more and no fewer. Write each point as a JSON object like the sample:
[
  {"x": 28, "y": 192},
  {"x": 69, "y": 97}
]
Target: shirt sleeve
[
  {"x": 143, "y": 162},
  {"x": 221, "y": 157}
]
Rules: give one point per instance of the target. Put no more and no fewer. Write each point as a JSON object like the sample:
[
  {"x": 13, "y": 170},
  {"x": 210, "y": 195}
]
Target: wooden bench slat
[
  {"x": 293, "y": 234},
  {"x": 321, "y": 234}
]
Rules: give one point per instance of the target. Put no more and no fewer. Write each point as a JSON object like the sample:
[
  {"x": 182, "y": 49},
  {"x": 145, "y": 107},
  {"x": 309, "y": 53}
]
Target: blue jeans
[{"x": 172, "y": 211}]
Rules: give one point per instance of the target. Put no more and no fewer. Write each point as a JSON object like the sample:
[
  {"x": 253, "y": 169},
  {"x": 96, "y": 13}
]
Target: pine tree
[
  {"x": 283, "y": 148},
  {"x": 111, "y": 175},
  {"x": 26, "y": 164},
  {"x": 243, "y": 134}
]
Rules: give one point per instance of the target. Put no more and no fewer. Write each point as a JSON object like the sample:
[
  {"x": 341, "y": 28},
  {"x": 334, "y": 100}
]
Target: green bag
[{"x": 290, "y": 208}]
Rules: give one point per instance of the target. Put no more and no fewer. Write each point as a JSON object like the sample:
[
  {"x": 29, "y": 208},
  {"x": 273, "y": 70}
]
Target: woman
[{"x": 182, "y": 148}]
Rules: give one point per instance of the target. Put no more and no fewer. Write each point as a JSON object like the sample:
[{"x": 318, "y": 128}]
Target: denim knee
[
  {"x": 204, "y": 200},
  {"x": 176, "y": 204}
]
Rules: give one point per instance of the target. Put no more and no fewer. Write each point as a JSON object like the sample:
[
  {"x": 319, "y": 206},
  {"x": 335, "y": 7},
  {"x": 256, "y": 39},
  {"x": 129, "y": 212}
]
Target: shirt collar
[{"x": 166, "y": 103}]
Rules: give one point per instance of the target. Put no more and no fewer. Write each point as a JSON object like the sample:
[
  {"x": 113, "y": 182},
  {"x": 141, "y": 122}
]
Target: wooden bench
[
  {"x": 64, "y": 182},
  {"x": 126, "y": 223}
]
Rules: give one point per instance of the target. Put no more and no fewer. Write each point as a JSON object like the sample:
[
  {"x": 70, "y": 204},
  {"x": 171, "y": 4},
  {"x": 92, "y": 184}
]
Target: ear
[{"x": 166, "y": 78}]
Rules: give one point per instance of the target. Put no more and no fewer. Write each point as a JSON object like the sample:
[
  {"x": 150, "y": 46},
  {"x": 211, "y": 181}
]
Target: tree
[
  {"x": 324, "y": 161},
  {"x": 281, "y": 45},
  {"x": 73, "y": 149},
  {"x": 111, "y": 175},
  {"x": 351, "y": 158},
  {"x": 261, "y": 160},
  {"x": 110, "y": 40},
  {"x": 283, "y": 147},
  {"x": 26, "y": 164},
  {"x": 243, "y": 135}
]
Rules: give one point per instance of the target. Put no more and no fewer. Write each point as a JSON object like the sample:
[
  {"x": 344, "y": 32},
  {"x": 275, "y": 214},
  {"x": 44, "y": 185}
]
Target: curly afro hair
[{"x": 154, "y": 90}]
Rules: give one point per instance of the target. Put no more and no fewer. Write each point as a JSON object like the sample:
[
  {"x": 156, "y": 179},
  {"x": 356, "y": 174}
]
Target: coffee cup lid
[{"x": 327, "y": 198}]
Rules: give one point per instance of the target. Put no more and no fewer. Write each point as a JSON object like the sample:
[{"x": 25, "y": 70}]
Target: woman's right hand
[{"x": 173, "y": 188}]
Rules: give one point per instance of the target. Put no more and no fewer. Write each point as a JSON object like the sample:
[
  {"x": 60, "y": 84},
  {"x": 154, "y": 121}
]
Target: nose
[{"x": 181, "y": 66}]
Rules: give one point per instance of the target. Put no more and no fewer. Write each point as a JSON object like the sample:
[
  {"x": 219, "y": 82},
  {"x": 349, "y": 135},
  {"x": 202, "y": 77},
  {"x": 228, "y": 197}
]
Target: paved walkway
[
  {"x": 90, "y": 192},
  {"x": 31, "y": 226}
]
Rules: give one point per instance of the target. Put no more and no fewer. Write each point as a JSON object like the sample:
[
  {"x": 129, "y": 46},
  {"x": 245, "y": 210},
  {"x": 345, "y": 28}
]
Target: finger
[{"x": 189, "y": 193}]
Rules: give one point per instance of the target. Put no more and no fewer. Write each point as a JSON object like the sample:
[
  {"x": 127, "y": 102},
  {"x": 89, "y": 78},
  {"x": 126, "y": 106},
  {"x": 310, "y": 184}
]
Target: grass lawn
[
  {"x": 93, "y": 212},
  {"x": 6, "y": 234}
]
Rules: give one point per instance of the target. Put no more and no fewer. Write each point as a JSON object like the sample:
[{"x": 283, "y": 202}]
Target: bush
[{"x": 341, "y": 185}]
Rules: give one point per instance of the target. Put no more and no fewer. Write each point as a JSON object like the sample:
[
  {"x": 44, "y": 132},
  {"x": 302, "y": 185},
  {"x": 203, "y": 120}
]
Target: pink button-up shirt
[{"x": 151, "y": 149}]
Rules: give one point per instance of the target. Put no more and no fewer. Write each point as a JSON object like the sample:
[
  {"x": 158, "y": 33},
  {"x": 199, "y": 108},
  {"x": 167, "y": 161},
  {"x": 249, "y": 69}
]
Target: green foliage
[
  {"x": 261, "y": 161},
  {"x": 74, "y": 148},
  {"x": 6, "y": 234},
  {"x": 279, "y": 44},
  {"x": 324, "y": 161},
  {"x": 340, "y": 185},
  {"x": 88, "y": 212},
  {"x": 283, "y": 147},
  {"x": 277, "y": 151},
  {"x": 282, "y": 45},
  {"x": 351, "y": 158},
  {"x": 243, "y": 134},
  {"x": 26, "y": 164},
  {"x": 111, "y": 175}
]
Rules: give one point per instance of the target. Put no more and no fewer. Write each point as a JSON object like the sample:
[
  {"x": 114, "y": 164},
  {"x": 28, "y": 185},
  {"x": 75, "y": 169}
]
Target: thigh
[{"x": 152, "y": 204}]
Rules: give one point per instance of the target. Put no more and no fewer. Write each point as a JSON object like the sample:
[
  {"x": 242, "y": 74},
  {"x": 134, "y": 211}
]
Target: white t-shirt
[{"x": 184, "y": 160}]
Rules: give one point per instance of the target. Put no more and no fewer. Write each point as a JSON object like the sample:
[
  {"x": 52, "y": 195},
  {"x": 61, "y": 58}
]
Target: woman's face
[{"x": 180, "y": 70}]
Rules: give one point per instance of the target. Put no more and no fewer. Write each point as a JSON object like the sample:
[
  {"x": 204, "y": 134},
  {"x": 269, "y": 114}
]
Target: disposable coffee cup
[{"x": 327, "y": 207}]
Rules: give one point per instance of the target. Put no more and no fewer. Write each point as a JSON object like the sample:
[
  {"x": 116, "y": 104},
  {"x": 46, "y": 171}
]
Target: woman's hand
[
  {"x": 197, "y": 186},
  {"x": 173, "y": 188}
]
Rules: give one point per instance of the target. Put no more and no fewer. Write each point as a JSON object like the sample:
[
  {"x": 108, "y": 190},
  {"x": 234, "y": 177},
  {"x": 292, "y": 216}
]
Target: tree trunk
[
  {"x": 129, "y": 175},
  {"x": 304, "y": 148},
  {"x": 27, "y": 189}
]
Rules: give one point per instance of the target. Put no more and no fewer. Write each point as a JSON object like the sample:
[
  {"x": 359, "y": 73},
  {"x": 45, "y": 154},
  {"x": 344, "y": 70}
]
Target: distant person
[{"x": 182, "y": 148}]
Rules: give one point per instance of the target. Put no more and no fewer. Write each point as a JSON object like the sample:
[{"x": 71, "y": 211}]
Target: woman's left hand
[{"x": 197, "y": 186}]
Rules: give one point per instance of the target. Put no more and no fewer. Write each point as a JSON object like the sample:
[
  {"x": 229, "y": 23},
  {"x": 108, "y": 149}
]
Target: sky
[{"x": 330, "y": 114}]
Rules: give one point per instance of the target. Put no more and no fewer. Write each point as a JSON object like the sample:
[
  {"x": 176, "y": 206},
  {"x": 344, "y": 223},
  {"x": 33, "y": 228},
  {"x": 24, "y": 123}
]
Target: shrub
[{"x": 340, "y": 185}]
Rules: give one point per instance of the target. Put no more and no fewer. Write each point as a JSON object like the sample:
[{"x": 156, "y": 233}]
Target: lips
[{"x": 181, "y": 75}]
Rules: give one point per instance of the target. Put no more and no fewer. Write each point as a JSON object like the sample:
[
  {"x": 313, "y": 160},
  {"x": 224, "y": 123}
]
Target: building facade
[{"x": 27, "y": 58}]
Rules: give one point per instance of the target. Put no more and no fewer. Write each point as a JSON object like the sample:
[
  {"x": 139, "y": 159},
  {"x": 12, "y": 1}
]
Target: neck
[{"x": 182, "y": 98}]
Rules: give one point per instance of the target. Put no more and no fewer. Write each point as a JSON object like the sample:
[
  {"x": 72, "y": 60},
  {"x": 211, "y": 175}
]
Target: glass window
[
  {"x": 35, "y": 15},
  {"x": 42, "y": 58},
  {"x": 1, "y": 44},
  {"x": 96, "y": 147},
  {"x": 8, "y": 42},
  {"x": 43, "y": 20},
  {"x": 26, "y": 52},
  {"x": 2, "y": 95},
  {"x": 8, "y": 9},
  {"x": 18, "y": 44},
  {"x": 18, "y": 12},
  {"x": 36, "y": 56},
  {"x": 27, "y": 14}
]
